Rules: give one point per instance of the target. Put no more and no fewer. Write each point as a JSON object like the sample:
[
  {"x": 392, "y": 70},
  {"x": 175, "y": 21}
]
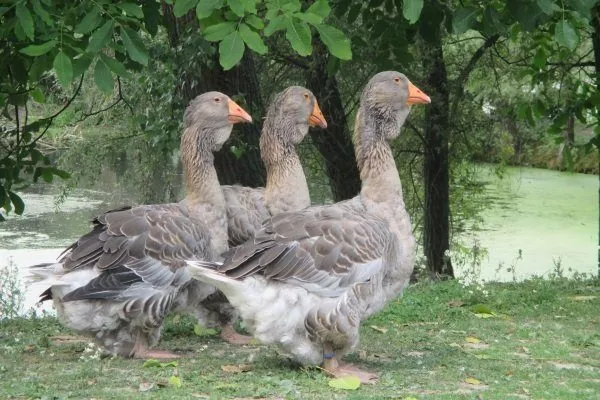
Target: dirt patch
[{"x": 572, "y": 366}]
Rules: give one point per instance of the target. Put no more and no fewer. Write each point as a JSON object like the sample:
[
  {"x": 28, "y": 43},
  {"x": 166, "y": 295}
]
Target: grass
[{"x": 542, "y": 342}]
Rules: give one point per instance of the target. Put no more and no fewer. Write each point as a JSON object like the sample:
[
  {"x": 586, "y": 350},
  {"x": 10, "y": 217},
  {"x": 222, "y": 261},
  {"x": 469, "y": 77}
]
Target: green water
[{"x": 550, "y": 216}]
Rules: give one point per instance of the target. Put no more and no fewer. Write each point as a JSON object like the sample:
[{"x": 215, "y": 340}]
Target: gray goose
[
  {"x": 117, "y": 282},
  {"x": 308, "y": 278},
  {"x": 286, "y": 124}
]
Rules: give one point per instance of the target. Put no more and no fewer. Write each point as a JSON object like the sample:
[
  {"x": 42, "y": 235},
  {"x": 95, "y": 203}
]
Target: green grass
[{"x": 542, "y": 342}]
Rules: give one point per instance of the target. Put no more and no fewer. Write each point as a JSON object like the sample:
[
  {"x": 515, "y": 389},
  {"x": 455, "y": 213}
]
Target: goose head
[
  {"x": 211, "y": 117},
  {"x": 291, "y": 114},
  {"x": 388, "y": 97}
]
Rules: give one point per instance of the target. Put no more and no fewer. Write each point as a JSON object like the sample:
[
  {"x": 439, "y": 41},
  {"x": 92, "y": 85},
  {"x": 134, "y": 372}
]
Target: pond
[
  {"x": 547, "y": 217},
  {"x": 537, "y": 221}
]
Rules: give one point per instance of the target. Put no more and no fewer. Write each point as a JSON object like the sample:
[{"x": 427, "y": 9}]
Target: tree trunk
[
  {"x": 570, "y": 131},
  {"x": 436, "y": 237},
  {"x": 596, "y": 44},
  {"x": 334, "y": 144},
  {"x": 241, "y": 83}
]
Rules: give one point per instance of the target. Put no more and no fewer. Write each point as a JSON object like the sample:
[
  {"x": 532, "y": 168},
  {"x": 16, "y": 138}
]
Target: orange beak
[
  {"x": 416, "y": 96},
  {"x": 317, "y": 118},
  {"x": 237, "y": 113}
]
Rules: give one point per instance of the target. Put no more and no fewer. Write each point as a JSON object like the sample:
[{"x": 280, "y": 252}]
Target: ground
[{"x": 539, "y": 339}]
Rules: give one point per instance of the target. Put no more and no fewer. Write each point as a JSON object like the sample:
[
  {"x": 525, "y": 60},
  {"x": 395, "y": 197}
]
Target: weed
[{"x": 11, "y": 295}]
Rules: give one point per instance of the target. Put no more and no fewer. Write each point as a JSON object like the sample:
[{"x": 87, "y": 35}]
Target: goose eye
[
  {"x": 217, "y": 100},
  {"x": 397, "y": 80},
  {"x": 306, "y": 96}
]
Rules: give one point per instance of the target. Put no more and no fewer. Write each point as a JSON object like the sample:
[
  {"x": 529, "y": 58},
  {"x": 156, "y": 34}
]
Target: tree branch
[{"x": 460, "y": 82}]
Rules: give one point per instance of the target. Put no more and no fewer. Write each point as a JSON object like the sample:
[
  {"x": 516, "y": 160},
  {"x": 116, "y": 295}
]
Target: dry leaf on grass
[
  {"x": 146, "y": 386},
  {"x": 583, "y": 298},
  {"x": 455, "y": 303},
  {"x": 378, "y": 328},
  {"x": 473, "y": 381},
  {"x": 236, "y": 369},
  {"x": 472, "y": 339}
]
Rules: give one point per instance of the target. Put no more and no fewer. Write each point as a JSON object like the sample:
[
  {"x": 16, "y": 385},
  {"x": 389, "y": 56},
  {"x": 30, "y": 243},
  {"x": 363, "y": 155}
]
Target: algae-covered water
[
  {"x": 547, "y": 217},
  {"x": 538, "y": 221}
]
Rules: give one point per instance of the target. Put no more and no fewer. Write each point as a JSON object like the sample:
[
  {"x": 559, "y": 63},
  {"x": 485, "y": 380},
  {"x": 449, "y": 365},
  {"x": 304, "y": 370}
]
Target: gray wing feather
[{"x": 324, "y": 249}]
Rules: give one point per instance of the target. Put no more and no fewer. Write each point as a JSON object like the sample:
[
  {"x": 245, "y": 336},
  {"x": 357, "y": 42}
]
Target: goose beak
[
  {"x": 317, "y": 118},
  {"x": 416, "y": 96},
  {"x": 237, "y": 113}
]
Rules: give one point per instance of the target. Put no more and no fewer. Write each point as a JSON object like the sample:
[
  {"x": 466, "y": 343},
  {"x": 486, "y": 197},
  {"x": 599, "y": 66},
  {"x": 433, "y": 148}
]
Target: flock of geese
[{"x": 299, "y": 276}]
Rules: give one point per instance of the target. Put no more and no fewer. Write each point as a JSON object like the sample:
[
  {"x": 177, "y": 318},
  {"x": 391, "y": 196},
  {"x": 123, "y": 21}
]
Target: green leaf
[
  {"x": 217, "y": 32},
  {"x": 131, "y": 9},
  {"x": 276, "y": 24},
  {"x": 205, "y": 8},
  {"x": 90, "y": 21},
  {"x": 63, "y": 68},
  {"x": 320, "y": 8},
  {"x": 336, "y": 41},
  {"x": 25, "y": 19},
  {"x": 81, "y": 64},
  {"x": 565, "y": 35},
  {"x": 250, "y": 6},
  {"x": 181, "y": 7},
  {"x": 100, "y": 37},
  {"x": 231, "y": 50},
  {"x": 540, "y": 58},
  {"x": 151, "y": 10},
  {"x": 42, "y": 13},
  {"x": 37, "y": 95},
  {"x": 175, "y": 381},
  {"x": 312, "y": 19},
  {"x": 299, "y": 36},
  {"x": 35, "y": 50},
  {"x": 252, "y": 39},
  {"x": 254, "y": 21},
  {"x": 411, "y": 9},
  {"x": 134, "y": 46},
  {"x": 201, "y": 331},
  {"x": 348, "y": 382},
  {"x": 463, "y": 19},
  {"x": 115, "y": 65},
  {"x": 17, "y": 202},
  {"x": 59, "y": 172},
  {"x": 151, "y": 363},
  {"x": 548, "y": 6},
  {"x": 103, "y": 77},
  {"x": 237, "y": 7}
]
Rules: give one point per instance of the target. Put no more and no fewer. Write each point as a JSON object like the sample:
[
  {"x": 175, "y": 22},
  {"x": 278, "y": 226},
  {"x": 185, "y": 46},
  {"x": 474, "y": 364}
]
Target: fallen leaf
[
  {"x": 482, "y": 356},
  {"x": 28, "y": 348},
  {"x": 379, "y": 329},
  {"x": 146, "y": 386},
  {"x": 484, "y": 315},
  {"x": 456, "y": 303},
  {"x": 91, "y": 382},
  {"x": 176, "y": 319},
  {"x": 175, "y": 381},
  {"x": 525, "y": 349},
  {"x": 235, "y": 369},
  {"x": 583, "y": 298},
  {"x": 472, "y": 381},
  {"x": 525, "y": 390},
  {"x": 508, "y": 373},
  {"x": 472, "y": 339},
  {"x": 482, "y": 309},
  {"x": 348, "y": 382},
  {"x": 202, "y": 331},
  {"x": 155, "y": 363}
]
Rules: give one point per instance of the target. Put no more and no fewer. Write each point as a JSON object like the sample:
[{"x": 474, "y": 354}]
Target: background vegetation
[{"x": 99, "y": 87}]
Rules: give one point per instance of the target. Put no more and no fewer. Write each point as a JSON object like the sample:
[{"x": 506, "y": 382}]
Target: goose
[
  {"x": 308, "y": 278},
  {"x": 286, "y": 124},
  {"x": 117, "y": 282}
]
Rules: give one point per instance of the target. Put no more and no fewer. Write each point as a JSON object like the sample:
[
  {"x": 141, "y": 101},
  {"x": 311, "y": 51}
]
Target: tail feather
[
  {"x": 41, "y": 272},
  {"x": 206, "y": 271}
]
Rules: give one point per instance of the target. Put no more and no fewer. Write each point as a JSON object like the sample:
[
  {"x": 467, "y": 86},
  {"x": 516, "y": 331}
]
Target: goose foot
[
  {"x": 365, "y": 377},
  {"x": 229, "y": 335},
  {"x": 156, "y": 354},
  {"x": 337, "y": 370}
]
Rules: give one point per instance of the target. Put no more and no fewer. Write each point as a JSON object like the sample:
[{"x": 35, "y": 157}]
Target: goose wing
[
  {"x": 324, "y": 249},
  {"x": 246, "y": 211},
  {"x": 140, "y": 244}
]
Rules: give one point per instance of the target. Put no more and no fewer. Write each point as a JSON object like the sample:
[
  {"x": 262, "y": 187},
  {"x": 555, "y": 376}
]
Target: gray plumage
[
  {"x": 117, "y": 282},
  {"x": 309, "y": 278}
]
